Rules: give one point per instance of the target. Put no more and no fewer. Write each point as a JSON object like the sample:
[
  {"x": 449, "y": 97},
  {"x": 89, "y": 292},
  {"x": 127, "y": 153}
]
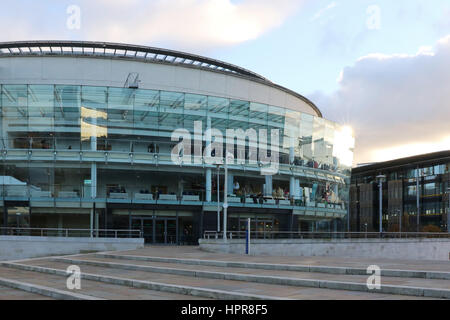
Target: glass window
[
  {"x": 146, "y": 110},
  {"x": 15, "y": 116},
  {"x": 170, "y": 112},
  {"x": 258, "y": 114},
  {"x": 239, "y": 114},
  {"x": 195, "y": 109},
  {"x": 306, "y": 131},
  {"x": 120, "y": 110},
  {"x": 94, "y": 113}
]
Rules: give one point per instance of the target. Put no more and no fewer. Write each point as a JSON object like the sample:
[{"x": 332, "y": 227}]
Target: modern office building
[
  {"x": 415, "y": 194},
  {"x": 89, "y": 131}
]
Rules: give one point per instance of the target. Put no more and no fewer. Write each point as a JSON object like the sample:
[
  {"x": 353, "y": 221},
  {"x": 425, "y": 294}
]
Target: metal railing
[
  {"x": 66, "y": 232},
  {"x": 324, "y": 235}
]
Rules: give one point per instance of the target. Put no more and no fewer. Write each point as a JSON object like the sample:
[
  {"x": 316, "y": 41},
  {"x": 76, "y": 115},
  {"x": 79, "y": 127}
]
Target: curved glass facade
[{"x": 67, "y": 147}]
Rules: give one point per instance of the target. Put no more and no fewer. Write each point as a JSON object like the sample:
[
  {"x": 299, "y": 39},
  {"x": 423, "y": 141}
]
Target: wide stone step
[
  {"x": 46, "y": 286},
  {"x": 414, "y": 287},
  {"x": 54, "y": 286},
  {"x": 283, "y": 267},
  {"x": 7, "y": 293},
  {"x": 213, "y": 288},
  {"x": 111, "y": 278}
]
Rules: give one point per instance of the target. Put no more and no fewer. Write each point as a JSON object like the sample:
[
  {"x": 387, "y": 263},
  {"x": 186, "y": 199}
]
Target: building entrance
[{"x": 157, "y": 230}]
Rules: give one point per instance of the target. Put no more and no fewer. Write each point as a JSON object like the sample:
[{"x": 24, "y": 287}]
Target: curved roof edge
[{"x": 138, "y": 53}]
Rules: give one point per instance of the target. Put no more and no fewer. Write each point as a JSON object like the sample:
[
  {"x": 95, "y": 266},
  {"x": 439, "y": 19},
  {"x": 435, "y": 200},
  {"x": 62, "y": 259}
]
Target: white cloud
[
  {"x": 398, "y": 105},
  {"x": 191, "y": 23},
  {"x": 321, "y": 12}
]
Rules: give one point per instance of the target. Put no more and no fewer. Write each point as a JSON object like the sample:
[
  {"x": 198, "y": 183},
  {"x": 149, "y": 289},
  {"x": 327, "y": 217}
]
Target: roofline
[
  {"x": 413, "y": 161},
  {"x": 195, "y": 61}
]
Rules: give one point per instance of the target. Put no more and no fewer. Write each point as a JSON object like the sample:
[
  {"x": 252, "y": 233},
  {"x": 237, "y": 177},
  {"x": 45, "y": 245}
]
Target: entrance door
[
  {"x": 166, "y": 230},
  {"x": 171, "y": 231},
  {"x": 160, "y": 231},
  {"x": 156, "y": 230}
]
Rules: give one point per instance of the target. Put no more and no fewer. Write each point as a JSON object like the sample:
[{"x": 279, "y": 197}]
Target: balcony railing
[{"x": 129, "y": 150}]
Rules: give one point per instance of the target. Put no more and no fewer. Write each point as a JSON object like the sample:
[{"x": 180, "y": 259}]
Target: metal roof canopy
[
  {"x": 138, "y": 53},
  {"x": 412, "y": 162}
]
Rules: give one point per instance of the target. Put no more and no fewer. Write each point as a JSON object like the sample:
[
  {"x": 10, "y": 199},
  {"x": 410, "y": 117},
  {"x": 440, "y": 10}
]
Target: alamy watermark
[
  {"x": 73, "y": 281},
  {"x": 241, "y": 147},
  {"x": 373, "y": 21},
  {"x": 73, "y": 21},
  {"x": 374, "y": 280}
]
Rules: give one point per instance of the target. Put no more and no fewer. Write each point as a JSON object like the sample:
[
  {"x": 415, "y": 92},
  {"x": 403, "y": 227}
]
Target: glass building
[
  {"x": 415, "y": 195},
  {"x": 88, "y": 142}
]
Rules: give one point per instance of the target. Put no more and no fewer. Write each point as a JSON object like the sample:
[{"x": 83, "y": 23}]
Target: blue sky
[{"x": 389, "y": 55}]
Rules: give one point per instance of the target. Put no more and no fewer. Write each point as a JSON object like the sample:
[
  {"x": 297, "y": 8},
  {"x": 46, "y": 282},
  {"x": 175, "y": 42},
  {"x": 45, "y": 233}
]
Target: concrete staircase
[{"x": 144, "y": 275}]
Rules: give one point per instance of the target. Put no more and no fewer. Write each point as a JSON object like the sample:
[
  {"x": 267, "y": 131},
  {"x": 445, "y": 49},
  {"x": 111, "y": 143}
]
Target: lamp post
[
  {"x": 418, "y": 199},
  {"x": 448, "y": 210},
  {"x": 218, "y": 197},
  {"x": 225, "y": 194},
  {"x": 380, "y": 179},
  {"x": 225, "y": 201}
]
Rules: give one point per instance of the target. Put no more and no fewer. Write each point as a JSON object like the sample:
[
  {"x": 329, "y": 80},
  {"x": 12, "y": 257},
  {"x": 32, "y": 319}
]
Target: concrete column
[
  {"x": 97, "y": 223},
  {"x": 269, "y": 187},
  {"x": 208, "y": 185},
  {"x": 230, "y": 183},
  {"x": 292, "y": 189},
  {"x": 91, "y": 223},
  {"x": 60, "y": 224},
  {"x": 208, "y": 171},
  {"x": 93, "y": 180}
]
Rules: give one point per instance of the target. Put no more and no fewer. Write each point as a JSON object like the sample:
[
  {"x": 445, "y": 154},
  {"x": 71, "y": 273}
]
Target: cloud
[
  {"x": 398, "y": 105},
  {"x": 188, "y": 23},
  {"x": 321, "y": 12}
]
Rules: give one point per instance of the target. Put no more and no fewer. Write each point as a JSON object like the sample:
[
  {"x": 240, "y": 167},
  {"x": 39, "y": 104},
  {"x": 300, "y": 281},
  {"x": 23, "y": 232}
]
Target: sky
[{"x": 381, "y": 67}]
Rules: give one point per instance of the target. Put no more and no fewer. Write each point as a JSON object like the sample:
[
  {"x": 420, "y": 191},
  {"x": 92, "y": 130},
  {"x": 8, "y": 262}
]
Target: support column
[
  {"x": 268, "y": 186},
  {"x": 292, "y": 188},
  {"x": 418, "y": 199},
  {"x": 60, "y": 224},
  {"x": 5, "y": 218},
  {"x": 91, "y": 223},
  {"x": 230, "y": 183},
  {"x": 93, "y": 180},
  {"x": 208, "y": 171},
  {"x": 208, "y": 185},
  {"x": 97, "y": 221}
]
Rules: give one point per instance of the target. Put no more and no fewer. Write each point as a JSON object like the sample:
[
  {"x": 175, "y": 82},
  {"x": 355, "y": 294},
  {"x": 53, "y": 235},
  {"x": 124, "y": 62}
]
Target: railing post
[
  {"x": 67, "y": 233},
  {"x": 115, "y": 233}
]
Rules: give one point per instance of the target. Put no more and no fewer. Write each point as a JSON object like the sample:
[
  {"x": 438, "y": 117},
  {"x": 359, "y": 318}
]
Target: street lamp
[
  {"x": 218, "y": 197},
  {"x": 448, "y": 210},
  {"x": 225, "y": 195},
  {"x": 381, "y": 178}
]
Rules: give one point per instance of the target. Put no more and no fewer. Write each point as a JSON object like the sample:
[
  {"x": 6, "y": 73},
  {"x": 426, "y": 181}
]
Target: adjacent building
[
  {"x": 89, "y": 129},
  {"x": 415, "y": 194}
]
